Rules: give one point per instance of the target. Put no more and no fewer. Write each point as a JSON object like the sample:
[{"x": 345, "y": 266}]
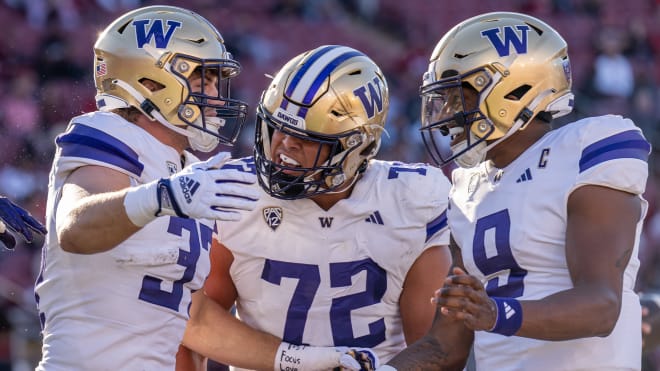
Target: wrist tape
[
  {"x": 301, "y": 357},
  {"x": 141, "y": 203}
]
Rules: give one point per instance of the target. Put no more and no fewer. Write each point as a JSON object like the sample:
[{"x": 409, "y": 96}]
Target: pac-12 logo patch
[
  {"x": 272, "y": 216},
  {"x": 171, "y": 167}
]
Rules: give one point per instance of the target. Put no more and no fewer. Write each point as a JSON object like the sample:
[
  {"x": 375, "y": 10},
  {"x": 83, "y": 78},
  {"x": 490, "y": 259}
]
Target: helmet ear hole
[
  {"x": 368, "y": 149},
  {"x": 151, "y": 84},
  {"x": 518, "y": 93}
]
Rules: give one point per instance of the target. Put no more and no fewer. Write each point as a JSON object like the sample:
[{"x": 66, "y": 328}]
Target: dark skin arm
[
  {"x": 599, "y": 243},
  {"x": 445, "y": 346},
  {"x": 595, "y": 229}
]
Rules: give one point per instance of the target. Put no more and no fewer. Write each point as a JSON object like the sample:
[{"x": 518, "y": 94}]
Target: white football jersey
[
  {"x": 333, "y": 278},
  {"x": 511, "y": 224},
  {"x": 124, "y": 309}
]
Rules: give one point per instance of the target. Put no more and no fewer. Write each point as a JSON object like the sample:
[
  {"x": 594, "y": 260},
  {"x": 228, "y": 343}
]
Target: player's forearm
[
  {"x": 94, "y": 224},
  {"x": 428, "y": 354},
  {"x": 242, "y": 347},
  {"x": 445, "y": 347},
  {"x": 213, "y": 332},
  {"x": 571, "y": 314}
]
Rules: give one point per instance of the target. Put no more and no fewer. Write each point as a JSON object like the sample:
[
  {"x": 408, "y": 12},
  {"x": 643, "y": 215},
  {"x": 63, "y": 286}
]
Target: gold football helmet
[
  {"x": 334, "y": 96},
  {"x": 166, "y": 45},
  {"x": 517, "y": 65}
]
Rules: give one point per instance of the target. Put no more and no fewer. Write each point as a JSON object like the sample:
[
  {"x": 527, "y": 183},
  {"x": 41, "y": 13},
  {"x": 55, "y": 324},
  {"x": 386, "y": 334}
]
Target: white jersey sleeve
[
  {"x": 334, "y": 278},
  {"x": 124, "y": 309},
  {"x": 511, "y": 227},
  {"x": 612, "y": 148}
]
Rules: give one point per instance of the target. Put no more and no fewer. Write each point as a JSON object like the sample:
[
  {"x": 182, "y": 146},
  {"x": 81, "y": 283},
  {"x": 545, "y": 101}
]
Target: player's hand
[
  {"x": 14, "y": 219},
  {"x": 358, "y": 359},
  {"x": 463, "y": 297},
  {"x": 205, "y": 190}
]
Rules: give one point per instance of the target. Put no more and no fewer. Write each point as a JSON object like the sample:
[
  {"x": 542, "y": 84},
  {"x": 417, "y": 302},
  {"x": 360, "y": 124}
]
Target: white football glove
[
  {"x": 310, "y": 358},
  {"x": 202, "y": 190}
]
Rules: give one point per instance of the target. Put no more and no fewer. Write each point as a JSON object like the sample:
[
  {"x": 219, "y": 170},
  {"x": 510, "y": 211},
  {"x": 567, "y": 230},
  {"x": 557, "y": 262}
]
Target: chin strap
[{"x": 155, "y": 114}]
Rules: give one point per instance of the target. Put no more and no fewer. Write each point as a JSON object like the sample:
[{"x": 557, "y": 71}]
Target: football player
[
  {"x": 342, "y": 249},
  {"x": 546, "y": 221},
  {"x": 131, "y": 209},
  {"x": 16, "y": 220}
]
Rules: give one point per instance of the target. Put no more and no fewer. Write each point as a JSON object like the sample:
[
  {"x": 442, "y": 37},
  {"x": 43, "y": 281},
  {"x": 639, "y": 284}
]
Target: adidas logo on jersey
[
  {"x": 188, "y": 187},
  {"x": 527, "y": 175},
  {"x": 375, "y": 218},
  {"x": 509, "y": 312}
]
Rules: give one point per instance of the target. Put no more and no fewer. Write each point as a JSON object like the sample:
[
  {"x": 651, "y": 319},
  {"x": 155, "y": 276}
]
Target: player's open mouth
[
  {"x": 288, "y": 161},
  {"x": 289, "y": 165},
  {"x": 456, "y": 134}
]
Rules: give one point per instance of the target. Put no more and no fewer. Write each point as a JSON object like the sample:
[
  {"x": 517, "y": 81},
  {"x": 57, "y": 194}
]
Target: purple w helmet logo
[
  {"x": 156, "y": 32},
  {"x": 511, "y": 38},
  {"x": 374, "y": 101}
]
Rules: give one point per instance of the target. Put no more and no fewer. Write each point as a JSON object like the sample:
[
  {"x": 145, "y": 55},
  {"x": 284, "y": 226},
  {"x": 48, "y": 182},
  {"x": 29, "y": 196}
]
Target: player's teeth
[{"x": 288, "y": 160}]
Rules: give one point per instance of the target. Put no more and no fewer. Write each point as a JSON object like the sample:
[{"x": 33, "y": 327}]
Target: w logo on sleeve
[
  {"x": 374, "y": 101},
  {"x": 145, "y": 32},
  {"x": 517, "y": 39}
]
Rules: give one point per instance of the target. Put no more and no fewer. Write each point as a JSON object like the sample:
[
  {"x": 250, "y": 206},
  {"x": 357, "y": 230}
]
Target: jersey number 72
[{"x": 309, "y": 280}]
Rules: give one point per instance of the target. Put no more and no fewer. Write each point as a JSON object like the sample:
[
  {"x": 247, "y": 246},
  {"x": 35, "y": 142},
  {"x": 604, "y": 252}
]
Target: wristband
[
  {"x": 141, "y": 203},
  {"x": 509, "y": 316}
]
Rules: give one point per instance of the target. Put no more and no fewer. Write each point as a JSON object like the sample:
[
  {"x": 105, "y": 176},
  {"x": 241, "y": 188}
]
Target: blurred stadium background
[{"x": 46, "y": 78}]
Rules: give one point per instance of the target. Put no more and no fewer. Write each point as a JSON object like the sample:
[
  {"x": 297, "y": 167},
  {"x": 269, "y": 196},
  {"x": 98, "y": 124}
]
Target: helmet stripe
[
  {"x": 308, "y": 64},
  {"x": 306, "y": 82},
  {"x": 321, "y": 77}
]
